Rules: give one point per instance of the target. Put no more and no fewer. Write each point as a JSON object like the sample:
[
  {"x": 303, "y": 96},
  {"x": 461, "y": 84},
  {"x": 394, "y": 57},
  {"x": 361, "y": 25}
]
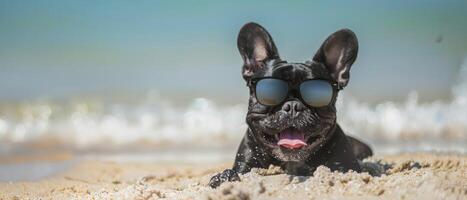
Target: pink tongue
[{"x": 291, "y": 139}]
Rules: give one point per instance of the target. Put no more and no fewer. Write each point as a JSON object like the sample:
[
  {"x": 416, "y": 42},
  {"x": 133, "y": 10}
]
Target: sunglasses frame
[{"x": 335, "y": 88}]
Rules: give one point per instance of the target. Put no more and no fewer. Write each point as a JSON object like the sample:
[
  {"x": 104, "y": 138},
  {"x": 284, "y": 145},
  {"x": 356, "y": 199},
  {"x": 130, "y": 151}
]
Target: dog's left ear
[{"x": 338, "y": 52}]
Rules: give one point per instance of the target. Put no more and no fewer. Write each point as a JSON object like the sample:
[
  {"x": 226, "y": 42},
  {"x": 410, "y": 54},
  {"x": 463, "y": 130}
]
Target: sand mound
[
  {"x": 423, "y": 177},
  {"x": 405, "y": 176}
]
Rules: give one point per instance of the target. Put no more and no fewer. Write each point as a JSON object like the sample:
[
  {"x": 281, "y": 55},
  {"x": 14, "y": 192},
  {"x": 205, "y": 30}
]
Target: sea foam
[{"x": 158, "y": 121}]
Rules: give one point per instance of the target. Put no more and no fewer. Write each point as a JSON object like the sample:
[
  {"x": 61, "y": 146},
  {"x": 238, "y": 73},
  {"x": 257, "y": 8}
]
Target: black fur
[{"x": 326, "y": 142}]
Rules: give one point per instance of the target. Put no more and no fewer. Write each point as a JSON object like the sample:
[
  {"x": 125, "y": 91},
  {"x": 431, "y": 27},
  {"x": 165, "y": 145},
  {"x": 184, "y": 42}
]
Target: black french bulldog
[{"x": 292, "y": 134}]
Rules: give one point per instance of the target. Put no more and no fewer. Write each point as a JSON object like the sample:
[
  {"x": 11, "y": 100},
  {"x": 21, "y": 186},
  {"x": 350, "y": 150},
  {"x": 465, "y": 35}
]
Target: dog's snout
[{"x": 293, "y": 108}]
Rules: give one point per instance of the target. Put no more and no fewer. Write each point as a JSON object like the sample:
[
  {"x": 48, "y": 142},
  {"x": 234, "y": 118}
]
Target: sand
[{"x": 408, "y": 176}]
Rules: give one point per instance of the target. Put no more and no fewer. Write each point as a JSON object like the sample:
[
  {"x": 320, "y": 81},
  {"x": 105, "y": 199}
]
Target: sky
[{"x": 58, "y": 49}]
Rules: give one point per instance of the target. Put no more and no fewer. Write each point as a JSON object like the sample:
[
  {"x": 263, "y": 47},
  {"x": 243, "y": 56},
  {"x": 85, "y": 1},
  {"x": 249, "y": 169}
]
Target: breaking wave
[
  {"x": 159, "y": 121},
  {"x": 410, "y": 120},
  {"x": 154, "y": 121}
]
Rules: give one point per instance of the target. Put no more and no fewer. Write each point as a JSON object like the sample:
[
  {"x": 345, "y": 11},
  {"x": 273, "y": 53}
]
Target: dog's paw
[{"x": 226, "y": 175}]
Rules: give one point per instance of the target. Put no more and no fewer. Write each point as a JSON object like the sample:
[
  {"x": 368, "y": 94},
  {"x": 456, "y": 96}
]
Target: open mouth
[{"x": 290, "y": 138}]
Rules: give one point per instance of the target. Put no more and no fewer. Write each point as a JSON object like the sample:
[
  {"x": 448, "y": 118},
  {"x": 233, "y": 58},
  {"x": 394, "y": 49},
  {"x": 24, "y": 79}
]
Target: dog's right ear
[
  {"x": 256, "y": 48},
  {"x": 338, "y": 52}
]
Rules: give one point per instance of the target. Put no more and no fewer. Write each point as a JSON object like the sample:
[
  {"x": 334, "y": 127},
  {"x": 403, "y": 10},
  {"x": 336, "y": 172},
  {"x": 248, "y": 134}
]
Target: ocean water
[{"x": 154, "y": 121}]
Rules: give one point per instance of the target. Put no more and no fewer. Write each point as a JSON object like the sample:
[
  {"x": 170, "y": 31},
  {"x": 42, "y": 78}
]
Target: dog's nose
[{"x": 293, "y": 108}]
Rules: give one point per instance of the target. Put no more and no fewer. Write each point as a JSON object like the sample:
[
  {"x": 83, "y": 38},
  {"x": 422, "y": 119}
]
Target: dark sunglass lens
[
  {"x": 271, "y": 91},
  {"x": 316, "y": 93}
]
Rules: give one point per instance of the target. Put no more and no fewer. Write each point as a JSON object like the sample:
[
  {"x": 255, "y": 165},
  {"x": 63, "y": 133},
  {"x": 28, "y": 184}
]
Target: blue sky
[{"x": 66, "y": 48}]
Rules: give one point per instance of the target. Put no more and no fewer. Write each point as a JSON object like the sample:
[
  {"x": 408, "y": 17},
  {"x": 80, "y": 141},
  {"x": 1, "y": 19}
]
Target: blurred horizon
[{"x": 65, "y": 49}]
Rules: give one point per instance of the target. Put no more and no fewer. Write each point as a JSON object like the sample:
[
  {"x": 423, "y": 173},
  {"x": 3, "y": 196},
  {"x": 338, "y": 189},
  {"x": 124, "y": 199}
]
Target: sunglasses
[{"x": 313, "y": 92}]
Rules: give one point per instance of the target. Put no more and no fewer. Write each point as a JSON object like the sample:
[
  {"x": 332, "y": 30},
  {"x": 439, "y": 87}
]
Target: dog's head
[{"x": 292, "y": 130}]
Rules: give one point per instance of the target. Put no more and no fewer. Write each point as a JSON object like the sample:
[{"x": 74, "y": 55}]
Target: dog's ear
[
  {"x": 337, "y": 53},
  {"x": 256, "y": 48}
]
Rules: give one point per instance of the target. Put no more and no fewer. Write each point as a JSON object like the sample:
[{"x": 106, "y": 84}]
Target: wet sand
[{"x": 408, "y": 176}]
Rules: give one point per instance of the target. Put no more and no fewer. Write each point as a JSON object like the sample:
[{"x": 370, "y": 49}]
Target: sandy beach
[
  {"x": 151, "y": 99},
  {"x": 408, "y": 176}
]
